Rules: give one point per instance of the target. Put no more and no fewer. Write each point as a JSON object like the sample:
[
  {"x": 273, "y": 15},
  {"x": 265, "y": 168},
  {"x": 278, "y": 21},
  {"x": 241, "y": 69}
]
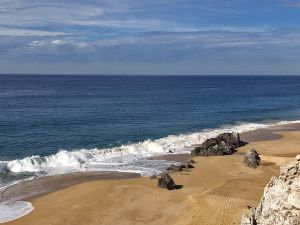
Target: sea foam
[
  {"x": 13, "y": 210},
  {"x": 125, "y": 158}
]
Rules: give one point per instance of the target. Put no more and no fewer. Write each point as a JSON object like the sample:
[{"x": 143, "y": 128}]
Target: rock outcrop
[
  {"x": 188, "y": 166},
  {"x": 191, "y": 161},
  {"x": 166, "y": 181},
  {"x": 224, "y": 144},
  {"x": 280, "y": 204},
  {"x": 252, "y": 158},
  {"x": 179, "y": 168}
]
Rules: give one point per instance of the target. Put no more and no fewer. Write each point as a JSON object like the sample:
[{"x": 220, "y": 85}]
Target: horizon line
[{"x": 135, "y": 75}]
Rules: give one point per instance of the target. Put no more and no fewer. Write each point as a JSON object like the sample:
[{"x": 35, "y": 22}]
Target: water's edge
[
  {"x": 13, "y": 205},
  {"x": 141, "y": 158}
]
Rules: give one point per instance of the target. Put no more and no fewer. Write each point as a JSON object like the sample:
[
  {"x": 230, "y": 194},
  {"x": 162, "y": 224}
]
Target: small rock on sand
[
  {"x": 166, "y": 181},
  {"x": 252, "y": 158}
]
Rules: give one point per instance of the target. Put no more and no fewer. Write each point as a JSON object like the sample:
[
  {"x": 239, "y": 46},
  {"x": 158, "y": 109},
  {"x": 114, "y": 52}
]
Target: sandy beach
[{"x": 217, "y": 191}]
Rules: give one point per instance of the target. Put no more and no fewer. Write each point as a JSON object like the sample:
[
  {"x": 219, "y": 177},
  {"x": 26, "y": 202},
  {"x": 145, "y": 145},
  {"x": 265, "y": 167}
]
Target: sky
[{"x": 194, "y": 37}]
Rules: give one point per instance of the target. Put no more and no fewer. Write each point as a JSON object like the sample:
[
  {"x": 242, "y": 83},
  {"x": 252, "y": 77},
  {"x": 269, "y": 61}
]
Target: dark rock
[
  {"x": 189, "y": 166},
  {"x": 166, "y": 181},
  {"x": 224, "y": 144},
  {"x": 170, "y": 151},
  {"x": 191, "y": 161},
  {"x": 252, "y": 158},
  {"x": 153, "y": 177},
  {"x": 177, "y": 168}
]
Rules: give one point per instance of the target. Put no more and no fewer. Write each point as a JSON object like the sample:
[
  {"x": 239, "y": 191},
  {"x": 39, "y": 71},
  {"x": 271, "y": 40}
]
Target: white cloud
[
  {"x": 6, "y": 31},
  {"x": 57, "y": 42},
  {"x": 187, "y": 42}
]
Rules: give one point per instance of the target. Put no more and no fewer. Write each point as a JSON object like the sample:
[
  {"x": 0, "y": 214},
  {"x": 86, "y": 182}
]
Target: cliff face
[{"x": 280, "y": 204}]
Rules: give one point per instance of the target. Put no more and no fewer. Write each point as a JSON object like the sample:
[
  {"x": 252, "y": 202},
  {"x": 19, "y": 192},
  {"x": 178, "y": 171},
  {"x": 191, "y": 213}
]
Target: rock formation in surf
[
  {"x": 224, "y": 144},
  {"x": 252, "y": 158},
  {"x": 191, "y": 161},
  {"x": 280, "y": 204},
  {"x": 179, "y": 168}
]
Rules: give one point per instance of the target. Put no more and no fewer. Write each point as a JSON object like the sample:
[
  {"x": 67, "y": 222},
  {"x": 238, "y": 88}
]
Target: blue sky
[{"x": 150, "y": 37}]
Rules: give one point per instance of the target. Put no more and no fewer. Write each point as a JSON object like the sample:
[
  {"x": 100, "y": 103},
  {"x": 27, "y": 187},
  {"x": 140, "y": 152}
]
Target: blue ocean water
[{"x": 41, "y": 115}]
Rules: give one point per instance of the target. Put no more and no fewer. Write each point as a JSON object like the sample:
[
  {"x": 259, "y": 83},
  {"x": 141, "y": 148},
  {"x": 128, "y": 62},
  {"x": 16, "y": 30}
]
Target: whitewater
[{"x": 126, "y": 158}]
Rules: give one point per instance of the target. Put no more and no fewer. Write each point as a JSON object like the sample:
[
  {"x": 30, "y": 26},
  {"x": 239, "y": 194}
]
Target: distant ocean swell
[{"x": 126, "y": 158}]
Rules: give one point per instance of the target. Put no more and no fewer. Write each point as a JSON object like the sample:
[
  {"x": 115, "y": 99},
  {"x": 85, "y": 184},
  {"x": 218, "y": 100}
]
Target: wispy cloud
[
  {"x": 147, "y": 46},
  {"x": 117, "y": 15},
  {"x": 159, "y": 32},
  {"x": 7, "y": 31}
]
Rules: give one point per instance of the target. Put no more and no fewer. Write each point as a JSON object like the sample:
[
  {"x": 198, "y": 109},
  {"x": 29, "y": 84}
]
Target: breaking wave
[{"x": 126, "y": 158}]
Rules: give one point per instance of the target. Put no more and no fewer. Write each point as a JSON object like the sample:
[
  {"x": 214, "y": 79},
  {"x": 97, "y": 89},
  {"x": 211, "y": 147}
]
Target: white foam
[
  {"x": 13, "y": 210},
  {"x": 126, "y": 158}
]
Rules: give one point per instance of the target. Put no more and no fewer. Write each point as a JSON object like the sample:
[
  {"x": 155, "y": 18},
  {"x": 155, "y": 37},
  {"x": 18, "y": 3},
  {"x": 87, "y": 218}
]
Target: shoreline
[
  {"x": 27, "y": 190},
  {"x": 61, "y": 181},
  {"x": 271, "y": 163}
]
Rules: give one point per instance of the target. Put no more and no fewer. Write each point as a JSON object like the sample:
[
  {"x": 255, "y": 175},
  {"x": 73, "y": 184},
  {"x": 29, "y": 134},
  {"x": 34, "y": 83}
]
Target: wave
[{"x": 126, "y": 158}]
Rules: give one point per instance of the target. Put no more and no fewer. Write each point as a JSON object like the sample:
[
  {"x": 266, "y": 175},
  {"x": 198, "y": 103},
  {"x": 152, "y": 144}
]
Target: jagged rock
[
  {"x": 252, "y": 158},
  {"x": 224, "y": 144},
  {"x": 191, "y": 161},
  {"x": 188, "y": 166},
  {"x": 166, "y": 181},
  {"x": 249, "y": 220},
  {"x": 294, "y": 197},
  {"x": 153, "y": 177},
  {"x": 177, "y": 168},
  {"x": 280, "y": 204}
]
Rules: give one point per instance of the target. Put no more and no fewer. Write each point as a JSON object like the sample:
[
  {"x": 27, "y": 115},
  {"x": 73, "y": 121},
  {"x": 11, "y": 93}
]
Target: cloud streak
[{"x": 166, "y": 33}]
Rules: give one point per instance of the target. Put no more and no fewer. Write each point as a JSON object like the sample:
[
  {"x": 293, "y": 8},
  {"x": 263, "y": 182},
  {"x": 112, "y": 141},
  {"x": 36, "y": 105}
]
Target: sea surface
[{"x": 60, "y": 124}]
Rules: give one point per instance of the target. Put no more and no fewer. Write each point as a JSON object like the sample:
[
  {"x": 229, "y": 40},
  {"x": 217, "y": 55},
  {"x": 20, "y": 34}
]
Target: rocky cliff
[{"x": 280, "y": 204}]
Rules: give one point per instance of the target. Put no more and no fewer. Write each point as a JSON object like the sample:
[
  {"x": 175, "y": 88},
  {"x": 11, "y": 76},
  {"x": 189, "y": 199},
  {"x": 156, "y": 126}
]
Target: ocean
[{"x": 61, "y": 124}]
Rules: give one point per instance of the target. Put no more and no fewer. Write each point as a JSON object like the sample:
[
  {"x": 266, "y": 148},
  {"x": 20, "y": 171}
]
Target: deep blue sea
[{"x": 57, "y": 124}]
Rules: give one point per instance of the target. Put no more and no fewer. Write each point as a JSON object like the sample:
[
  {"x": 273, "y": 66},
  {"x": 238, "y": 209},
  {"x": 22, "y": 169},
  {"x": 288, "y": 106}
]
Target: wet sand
[
  {"x": 270, "y": 133},
  {"x": 40, "y": 186},
  {"x": 43, "y": 185},
  {"x": 217, "y": 191}
]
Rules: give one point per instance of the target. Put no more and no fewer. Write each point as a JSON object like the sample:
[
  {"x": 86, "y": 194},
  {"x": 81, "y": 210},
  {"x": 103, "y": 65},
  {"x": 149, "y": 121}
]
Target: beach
[
  {"x": 219, "y": 190},
  {"x": 149, "y": 112}
]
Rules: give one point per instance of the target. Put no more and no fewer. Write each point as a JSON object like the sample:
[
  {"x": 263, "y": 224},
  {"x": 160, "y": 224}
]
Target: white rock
[
  {"x": 294, "y": 199},
  {"x": 280, "y": 204},
  {"x": 294, "y": 196}
]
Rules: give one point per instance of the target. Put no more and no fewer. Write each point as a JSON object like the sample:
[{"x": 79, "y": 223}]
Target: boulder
[
  {"x": 191, "y": 161},
  {"x": 177, "y": 168},
  {"x": 153, "y": 177},
  {"x": 188, "y": 166},
  {"x": 166, "y": 181},
  {"x": 280, "y": 203},
  {"x": 224, "y": 144},
  {"x": 252, "y": 158}
]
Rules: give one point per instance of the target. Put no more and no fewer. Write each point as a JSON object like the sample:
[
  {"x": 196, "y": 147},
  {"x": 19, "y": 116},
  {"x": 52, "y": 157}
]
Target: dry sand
[{"x": 217, "y": 191}]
